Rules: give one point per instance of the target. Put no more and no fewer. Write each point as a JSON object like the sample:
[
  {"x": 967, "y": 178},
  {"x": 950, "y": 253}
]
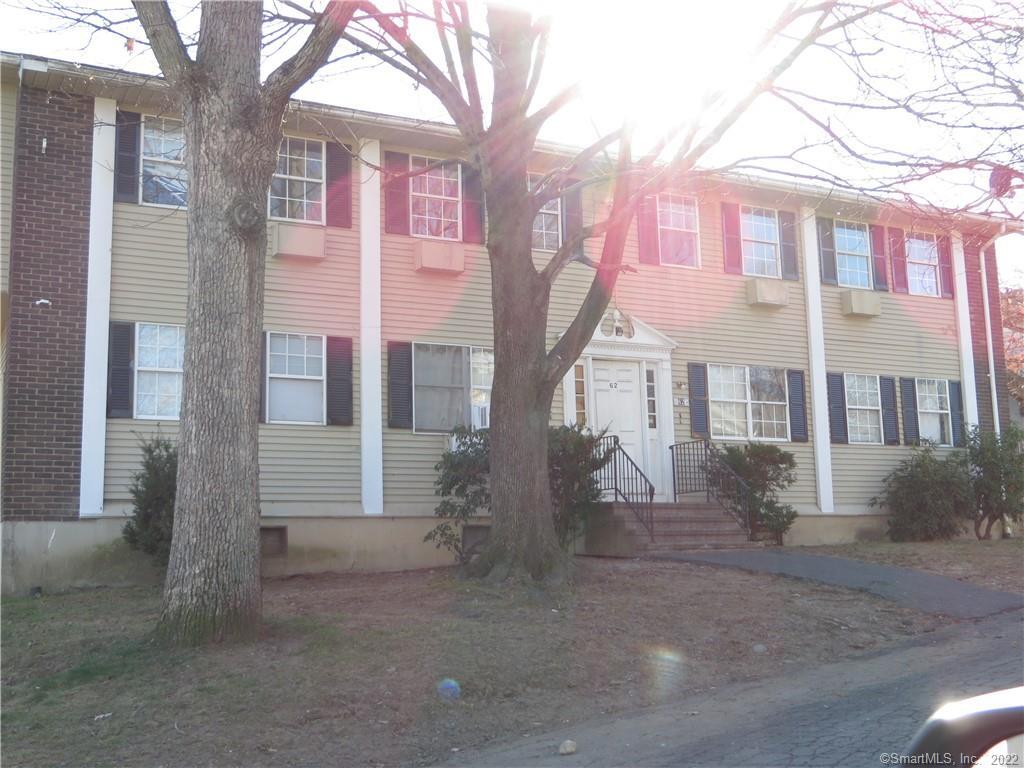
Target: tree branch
[{"x": 164, "y": 39}]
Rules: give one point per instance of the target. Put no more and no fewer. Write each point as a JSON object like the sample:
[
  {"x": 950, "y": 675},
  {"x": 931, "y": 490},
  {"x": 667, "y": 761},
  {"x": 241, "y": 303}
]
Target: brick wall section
[
  {"x": 49, "y": 252},
  {"x": 977, "y": 311}
]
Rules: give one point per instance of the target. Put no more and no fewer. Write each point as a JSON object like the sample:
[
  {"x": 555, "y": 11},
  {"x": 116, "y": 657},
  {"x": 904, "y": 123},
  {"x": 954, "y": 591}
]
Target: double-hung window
[
  {"x": 677, "y": 230},
  {"x": 164, "y": 178},
  {"x": 759, "y": 232},
  {"x": 547, "y": 224},
  {"x": 451, "y": 387},
  {"x": 297, "y": 188},
  {"x": 435, "y": 199},
  {"x": 923, "y": 265},
  {"x": 863, "y": 408},
  {"x": 159, "y": 357},
  {"x": 748, "y": 402},
  {"x": 933, "y": 412},
  {"x": 853, "y": 255},
  {"x": 295, "y": 378}
]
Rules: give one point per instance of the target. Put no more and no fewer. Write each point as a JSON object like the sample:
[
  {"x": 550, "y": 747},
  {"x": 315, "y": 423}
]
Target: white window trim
[
  {"x": 777, "y": 243},
  {"x": 322, "y": 378},
  {"x": 558, "y": 213},
  {"x": 948, "y": 412},
  {"x": 149, "y": 369},
  {"x": 696, "y": 210},
  {"x": 847, "y": 407},
  {"x": 457, "y": 239},
  {"x": 749, "y": 408},
  {"x": 469, "y": 385},
  {"x": 938, "y": 278},
  {"x": 323, "y": 185},
  {"x": 143, "y": 157},
  {"x": 870, "y": 256}
]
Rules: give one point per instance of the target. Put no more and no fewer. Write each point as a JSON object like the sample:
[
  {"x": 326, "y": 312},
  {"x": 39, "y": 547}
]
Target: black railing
[
  {"x": 623, "y": 477},
  {"x": 700, "y": 467}
]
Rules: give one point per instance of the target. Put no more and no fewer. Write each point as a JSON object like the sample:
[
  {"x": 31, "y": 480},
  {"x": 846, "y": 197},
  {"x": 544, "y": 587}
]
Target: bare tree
[
  {"x": 232, "y": 128},
  {"x": 462, "y": 62}
]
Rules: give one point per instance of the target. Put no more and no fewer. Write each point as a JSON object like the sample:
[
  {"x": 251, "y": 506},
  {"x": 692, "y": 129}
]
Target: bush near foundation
[
  {"x": 573, "y": 458},
  {"x": 767, "y": 470},
  {"x": 928, "y": 497},
  {"x": 152, "y": 488},
  {"x": 997, "y": 477}
]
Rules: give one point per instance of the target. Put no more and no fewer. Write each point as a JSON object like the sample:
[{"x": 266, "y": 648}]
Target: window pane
[
  {"x": 295, "y": 400},
  {"x": 760, "y": 259},
  {"x": 678, "y": 247},
  {"x": 441, "y": 365},
  {"x": 164, "y": 183},
  {"x": 852, "y": 238},
  {"x": 728, "y": 419},
  {"x": 861, "y": 391},
  {"x": 934, "y": 427},
  {"x": 727, "y": 382},
  {"x": 923, "y": 279},
  {"x": 771, "y": 422},
  {"x": 157, "y": 394},
  {"x": 440, "y": 409},
  {"x": 854, "y": 270},
  {"x": 865, "y": 426},
  {"x": 768, "y": 384},
  {"x": 922, "y": 248}
]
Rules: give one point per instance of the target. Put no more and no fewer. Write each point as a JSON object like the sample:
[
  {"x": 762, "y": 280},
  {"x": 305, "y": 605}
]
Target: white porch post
[
  {"x": 371, "y": 411},
  {"x": 816, "y": 353},
  {"x": 97, "y": 310},
  {"x": 963, "y": 332}
]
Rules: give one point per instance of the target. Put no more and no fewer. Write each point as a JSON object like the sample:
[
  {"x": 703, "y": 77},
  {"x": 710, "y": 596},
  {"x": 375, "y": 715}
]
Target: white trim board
[
  {"x": 97, "y": 309},
  {"x": 371, "y": 401},
  {"x": 816, "y": 355},
  {"x": 963, "y": 332}
]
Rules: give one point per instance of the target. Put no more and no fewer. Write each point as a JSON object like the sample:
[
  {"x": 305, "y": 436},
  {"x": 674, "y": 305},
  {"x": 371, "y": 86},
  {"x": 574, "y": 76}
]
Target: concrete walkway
[{"x": 926, "y": 592}]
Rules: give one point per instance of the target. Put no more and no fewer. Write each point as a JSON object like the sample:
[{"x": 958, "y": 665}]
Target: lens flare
[
  {"x": 665, "y": 671},
  {"x": 449, "y": 689}
]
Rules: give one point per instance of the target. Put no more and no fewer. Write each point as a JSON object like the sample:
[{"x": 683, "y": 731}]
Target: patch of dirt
[
  {"x": 996, "y": 563},
  {"x": 348, "y": 667}
]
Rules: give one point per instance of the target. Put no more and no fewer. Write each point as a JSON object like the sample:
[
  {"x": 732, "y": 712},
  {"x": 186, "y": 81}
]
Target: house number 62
[{"x": 613, "y": 385}]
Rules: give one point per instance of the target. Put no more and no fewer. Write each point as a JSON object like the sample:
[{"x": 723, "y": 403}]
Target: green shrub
[
  {"x": 152, "y": 488},
  {"x": 996, "y": 477},
  {"x": 462, "y": 484},
  {"x": 928, "y": 498},
  {"x": 767, "y": 470}
]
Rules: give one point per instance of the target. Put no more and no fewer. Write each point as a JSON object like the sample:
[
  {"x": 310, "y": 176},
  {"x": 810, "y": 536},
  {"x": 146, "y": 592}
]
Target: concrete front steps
[{"x": 616, "y": 532}]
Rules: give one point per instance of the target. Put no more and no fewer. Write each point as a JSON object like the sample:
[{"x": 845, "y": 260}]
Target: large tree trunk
[{"x": 212, "y": 590}]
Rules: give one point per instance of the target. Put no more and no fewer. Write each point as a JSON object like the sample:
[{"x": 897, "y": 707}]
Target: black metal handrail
[
  {"x": 699, "y": 466},
  {"x": 622, "y": 476}
]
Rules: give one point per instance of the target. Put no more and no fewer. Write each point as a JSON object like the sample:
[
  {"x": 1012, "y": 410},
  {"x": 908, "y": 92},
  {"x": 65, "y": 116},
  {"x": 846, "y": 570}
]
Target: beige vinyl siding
[
  {"x": 704, "y": 311},
  {"x": 914, "y": 336},
  {"x": 302, "y": 468},
  {"x": 8, "y": 116}
]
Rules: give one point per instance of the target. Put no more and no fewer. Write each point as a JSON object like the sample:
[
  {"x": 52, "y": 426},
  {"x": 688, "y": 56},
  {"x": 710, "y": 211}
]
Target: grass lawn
[
  {"x": 997, "y": 563},
  {"x": 346, "y": 670}
]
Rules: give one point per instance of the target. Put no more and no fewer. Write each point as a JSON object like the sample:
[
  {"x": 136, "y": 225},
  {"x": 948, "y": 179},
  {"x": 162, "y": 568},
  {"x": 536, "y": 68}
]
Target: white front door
[{"x": 618, "y": 405}]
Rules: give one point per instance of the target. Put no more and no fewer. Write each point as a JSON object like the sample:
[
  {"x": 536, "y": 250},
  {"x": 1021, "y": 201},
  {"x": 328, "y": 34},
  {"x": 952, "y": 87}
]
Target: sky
[{"x": 650, "y": 66}]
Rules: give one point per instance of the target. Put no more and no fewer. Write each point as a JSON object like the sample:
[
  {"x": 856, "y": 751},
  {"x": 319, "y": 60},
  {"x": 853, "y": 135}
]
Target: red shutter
[
  {"x": 339, "y": 186},
  {"x": 898, "y": 256},
  {"x": 472, "y": 205},
  {"x": 731, "y": 243},
  {"x": 945, "y": 267},
  {"x": 647, "y": 231},
  {"x": 396, "y": 193},
  {"x": 878, "y": 260}
]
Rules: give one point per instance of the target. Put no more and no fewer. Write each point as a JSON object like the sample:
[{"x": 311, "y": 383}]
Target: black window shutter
[
  {"x": 263, "y": 379},
  {"x": 890, "y": 419},
  {"x": 945, "y": 267},
  {"x": 648, "y": 247},
  {"x": 396, "y": 193},
  {"x": 400, "y": 384},
  {"x": 472, "y": 205},
  {"x": 120, "y": 365},
  {"x": 908, "y": 397},
  {"x": 339, "y": 381},
  {"x": 898, "y": 256},
  {"x": 797, "y": 406},
  {"x": 572, "y": 217},
  {"x": 956, "y": 412},
  {"x": 339, "y": 186},
  {"x": 126, "y": 157},
  {"x": 880, "y": 265},
  {"x": 787, "y": 244},
  {"x": 837, "y": 408},
  {"x": 732, "y": 245},
  {"x": 827, "y": 250},
  {"x": 700, "y": 424}
]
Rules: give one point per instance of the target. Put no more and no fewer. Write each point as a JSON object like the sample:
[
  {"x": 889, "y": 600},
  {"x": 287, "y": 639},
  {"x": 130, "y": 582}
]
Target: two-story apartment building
[{"x": 842, "y": 330}]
